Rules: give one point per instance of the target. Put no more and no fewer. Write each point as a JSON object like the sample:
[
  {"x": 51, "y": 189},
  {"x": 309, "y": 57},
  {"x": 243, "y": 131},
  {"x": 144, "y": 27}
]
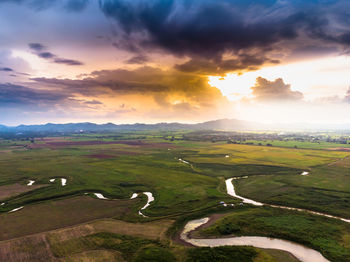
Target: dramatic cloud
[
  {"x": 141, "y": 80},
  {"x": 219, "y": 67},
  {"x": 267, "y": 91},
  {"x": 169, "y": 90},
  {"x": 209, "y": 30},
  {"x": 17, "y": 95},
  {"x": 147, "y": 60},
  {"x": 39, "y": 50}
]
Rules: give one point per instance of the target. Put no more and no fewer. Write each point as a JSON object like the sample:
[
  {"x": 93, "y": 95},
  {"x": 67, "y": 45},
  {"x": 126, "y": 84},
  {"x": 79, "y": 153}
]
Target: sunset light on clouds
[{"x": 127, "y": 61}]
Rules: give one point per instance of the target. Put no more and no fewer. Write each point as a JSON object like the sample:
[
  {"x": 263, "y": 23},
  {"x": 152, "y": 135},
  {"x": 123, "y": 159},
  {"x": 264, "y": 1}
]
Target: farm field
[
  {"x": 186, "y": 179},
  {"x": 302, "y": 144}
]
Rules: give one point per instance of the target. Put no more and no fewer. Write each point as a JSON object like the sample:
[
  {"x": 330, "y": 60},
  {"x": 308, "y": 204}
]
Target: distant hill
[
  {"x": 221, "y": 124},
  {"x": 229, "y": 124}
]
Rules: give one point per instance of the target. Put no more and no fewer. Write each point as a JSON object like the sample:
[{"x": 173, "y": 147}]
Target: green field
[{"x": 118, "y": 165}]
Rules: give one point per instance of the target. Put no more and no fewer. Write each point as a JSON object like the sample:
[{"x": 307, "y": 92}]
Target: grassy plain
[
  {"x": 118, "y": 165},
  {"x": 325, "y": 189}
]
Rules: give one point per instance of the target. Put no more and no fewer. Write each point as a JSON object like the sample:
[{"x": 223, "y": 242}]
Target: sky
[{"x": 128, "y": 61}]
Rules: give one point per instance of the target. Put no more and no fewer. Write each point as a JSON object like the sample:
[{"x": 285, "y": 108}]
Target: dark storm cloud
[
  {"x": 145, "y": 79},
  {"x": 46, "y": 55},
  {"x": 76, "y": 5},
  {"x": 35, "y": 4},
  {"x": 37, "y": 46},
  {"x": 265, "y": 90},
  {"x": 6, "y": 69},
  {"x": 217, "y": 67},
  {"x": 11, "y": 94},
  {"x": 205, "y": 28},
  {"x": 67, "y": 61},
  {"x": 69, "y": 5},
  {"x": 138, "y": 59},
  {"x": 160, "y": 84},
  {"x": 40, "y": 50},
  {"x": 209, "y": 30}
]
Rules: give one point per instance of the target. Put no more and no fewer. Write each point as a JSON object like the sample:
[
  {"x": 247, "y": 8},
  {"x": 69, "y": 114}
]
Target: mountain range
[{"x": 221, "y": 124}]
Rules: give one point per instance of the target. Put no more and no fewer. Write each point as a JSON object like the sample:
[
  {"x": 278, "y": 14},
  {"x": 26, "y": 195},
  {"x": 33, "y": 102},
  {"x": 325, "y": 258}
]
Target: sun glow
[
  {"x": 323, "y": 82},
  {"x": 324, "y": 77}
]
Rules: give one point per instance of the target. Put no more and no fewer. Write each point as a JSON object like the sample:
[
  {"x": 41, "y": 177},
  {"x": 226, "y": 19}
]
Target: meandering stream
[
  {"x": 301, "y": 252},
  {"x": 150, "y": 198},
  {"x": 100, "y": 196},
  {"x": 231, "y": 191}
]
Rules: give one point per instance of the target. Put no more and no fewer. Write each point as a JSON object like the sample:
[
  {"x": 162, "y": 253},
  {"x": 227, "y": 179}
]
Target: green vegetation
[
  {"x": 138, "y": 249},
  {"x": 224, "y": 254},
  {"x": 326, "y": 189},
  {"x": 154, "y": 253},
  {"x": 120, "y": 164},
  {"x": 129, "y": 169},
  {"x": 126, "y": 245},
  {"x": 328, "y": 236},
  {"x": 248, "y": 154}
]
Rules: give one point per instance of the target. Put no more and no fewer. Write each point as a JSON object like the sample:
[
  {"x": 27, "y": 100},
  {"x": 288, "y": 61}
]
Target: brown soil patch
[
  {"x": 54, "y": 139},
  {"x": 16, "y": 189},
  {"x": 345, "y": 149},
  {"x": 37, "y": 247},
  {"x": 34, "y": 248},
  {"x": 150, "y": 230}
]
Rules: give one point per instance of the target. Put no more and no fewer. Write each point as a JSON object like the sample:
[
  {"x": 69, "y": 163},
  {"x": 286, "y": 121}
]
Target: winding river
[
  {"x": 231, "y": 191},
  {"x": 301, "y": 252},
  {"x": 100, "y": 196},
  {"x": 150, "y": 198}
]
